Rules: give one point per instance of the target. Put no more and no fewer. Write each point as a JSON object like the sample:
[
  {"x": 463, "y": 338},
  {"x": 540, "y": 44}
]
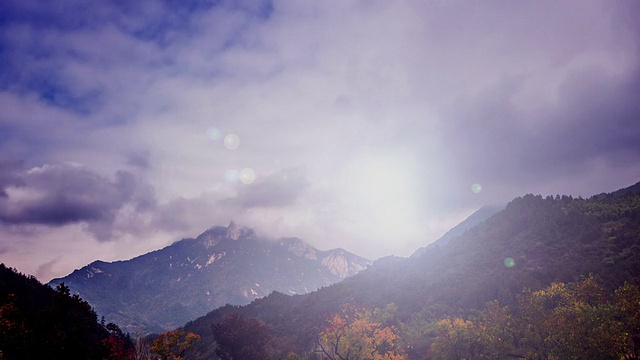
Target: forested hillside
[
  {"x": 38, "y": 322},
  {"x": 534, "y": 242}
]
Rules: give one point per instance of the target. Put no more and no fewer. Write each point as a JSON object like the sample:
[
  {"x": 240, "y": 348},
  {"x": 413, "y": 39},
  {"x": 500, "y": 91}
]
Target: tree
[
  {"x": 570, "y": 321},
  {"x": 562, "y": 321},
  {"x": 116, "y": 348},
  {"x": 118, "y": 345},
  {"x": 12, "y": 328},
  {"x": 239, "y": 338},
  {"x": 38, "y": 322},
  {"x": 142, "y": 348},
  {"x": 455, "y": 339},
  {"x": 627, "y": 307},
  {"x": 173, "y": 344},
  {"x": 354, "y": 334},
  {"x": 495, "y": 332}
]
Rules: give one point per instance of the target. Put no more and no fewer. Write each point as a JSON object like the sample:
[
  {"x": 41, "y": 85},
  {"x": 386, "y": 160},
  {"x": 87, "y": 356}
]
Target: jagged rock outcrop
[
  {"x": 342, "y": 263},
  {"x": 233, "y": 231}
]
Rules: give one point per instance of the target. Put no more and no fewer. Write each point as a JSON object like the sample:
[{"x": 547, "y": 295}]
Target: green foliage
[
  {"x": 626, "y": 303},
  {"x": 241, "y": 339},
  {"x": 456, "y": 339},
  {"x": 563, "y": 321}
]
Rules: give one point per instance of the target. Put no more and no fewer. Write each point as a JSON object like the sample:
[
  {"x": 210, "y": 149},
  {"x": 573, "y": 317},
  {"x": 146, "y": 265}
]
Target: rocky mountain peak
[
  {"x": 233, "y": 231},
  {"x": 299, "y": 248},
  {"x": 216, "y": 234},
  {"x": 212, "y": 236},
  {"x": 192, "y": 277},
  {"x": 341, "y": 263}
]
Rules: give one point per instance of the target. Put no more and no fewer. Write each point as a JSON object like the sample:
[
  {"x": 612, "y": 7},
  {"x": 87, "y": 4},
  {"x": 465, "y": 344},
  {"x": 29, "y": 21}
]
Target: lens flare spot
[
  {"x": 214, "y": 134},
  {"x": 231, "y": 175},
  {"x": 247, "y": 176},
  {"x": 476, "y": 188},
  {"x": 509, "y": 262},
  {"x": 231, "y": 141}
]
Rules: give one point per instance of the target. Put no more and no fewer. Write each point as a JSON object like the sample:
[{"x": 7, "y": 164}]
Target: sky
[{"x": 370, "y": 125}]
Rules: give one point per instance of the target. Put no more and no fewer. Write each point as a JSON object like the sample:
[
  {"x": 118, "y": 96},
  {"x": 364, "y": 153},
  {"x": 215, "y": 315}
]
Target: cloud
[
  {"x": 278, "y": 190},
  {"x": 45, "y": 270},
  {"x": 491, "y": 140},
  {"x": 8, "y": 174},
  {"x": 57, "y": 195}
]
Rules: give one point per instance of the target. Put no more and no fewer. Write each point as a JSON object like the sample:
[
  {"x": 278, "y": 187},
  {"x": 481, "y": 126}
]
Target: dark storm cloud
[
  {"x": 139, "y": 160},
  {"x": 596, "y": 118},
  {"x": 602, "y": 117},
  {"x": 278, "y": 190},
  {"x": 49, "y": 49},
  {"x": 148, "y": 18},
  {"x": 62, "y": 194},
  {"x": 9, "y": 174},
  {"x": 578, "y": 108}
]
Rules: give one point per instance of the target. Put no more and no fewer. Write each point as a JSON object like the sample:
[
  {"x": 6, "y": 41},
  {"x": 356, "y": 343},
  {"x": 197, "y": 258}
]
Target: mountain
[
  {"x": 474, "y": 219},
  {"x": 224, "y": 265},
  {"x": 531, "y": 243}
]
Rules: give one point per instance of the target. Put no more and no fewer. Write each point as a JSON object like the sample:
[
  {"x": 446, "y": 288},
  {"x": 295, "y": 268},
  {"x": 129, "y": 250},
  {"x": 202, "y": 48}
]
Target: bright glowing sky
[{"x": 369, "y": 125}]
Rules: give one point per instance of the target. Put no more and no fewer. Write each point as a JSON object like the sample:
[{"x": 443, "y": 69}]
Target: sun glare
[{"x": 383, "y": 189}]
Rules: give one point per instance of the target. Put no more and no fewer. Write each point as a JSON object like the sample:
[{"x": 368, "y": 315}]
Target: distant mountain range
[{"x": 166, "y": 288}]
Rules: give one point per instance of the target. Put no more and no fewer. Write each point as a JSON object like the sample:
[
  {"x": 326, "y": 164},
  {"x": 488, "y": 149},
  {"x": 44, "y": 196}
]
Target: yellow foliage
[
  {"x": 562, "y": 321},
  {"x": 170, "y": 346}
]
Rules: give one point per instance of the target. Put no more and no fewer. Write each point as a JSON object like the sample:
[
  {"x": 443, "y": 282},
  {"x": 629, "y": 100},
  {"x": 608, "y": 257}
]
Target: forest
[
  {"x": 38, "y": 322},
  {"x": 550, "y": 277}
]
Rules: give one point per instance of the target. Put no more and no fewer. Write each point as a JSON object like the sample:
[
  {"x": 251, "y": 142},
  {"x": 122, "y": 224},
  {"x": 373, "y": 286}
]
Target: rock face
[
  {"x": 233, "y": 231},
  {"x": 166, "y": 288}
]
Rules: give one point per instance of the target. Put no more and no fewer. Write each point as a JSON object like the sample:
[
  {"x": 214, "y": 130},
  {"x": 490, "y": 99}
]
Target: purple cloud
[
  {"x": 57, "y": 195},
  {"x": 278, "y": 190}
]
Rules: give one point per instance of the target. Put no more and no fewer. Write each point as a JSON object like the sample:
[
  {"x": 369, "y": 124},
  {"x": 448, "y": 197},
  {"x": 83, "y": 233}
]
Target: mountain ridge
[
  {"x": 165, "y": 288},
  {"x": 472, "y": 220}
]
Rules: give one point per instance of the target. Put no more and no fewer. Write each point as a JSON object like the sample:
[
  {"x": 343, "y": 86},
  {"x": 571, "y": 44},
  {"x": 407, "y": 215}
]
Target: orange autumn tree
[
  {"x": 173, "y": 344},
  {"x": 360, "y": 334}
]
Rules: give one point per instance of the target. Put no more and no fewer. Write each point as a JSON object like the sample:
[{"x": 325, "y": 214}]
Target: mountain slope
[
  {"x": 474, "y": 219},
  {"x": 224, "y": 265},
  {"x": 531, "y": 243}
]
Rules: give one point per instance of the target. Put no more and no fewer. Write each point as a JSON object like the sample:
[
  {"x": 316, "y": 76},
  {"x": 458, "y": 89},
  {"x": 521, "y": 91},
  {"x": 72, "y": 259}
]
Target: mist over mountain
[{"x": 164, "y": 289}]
